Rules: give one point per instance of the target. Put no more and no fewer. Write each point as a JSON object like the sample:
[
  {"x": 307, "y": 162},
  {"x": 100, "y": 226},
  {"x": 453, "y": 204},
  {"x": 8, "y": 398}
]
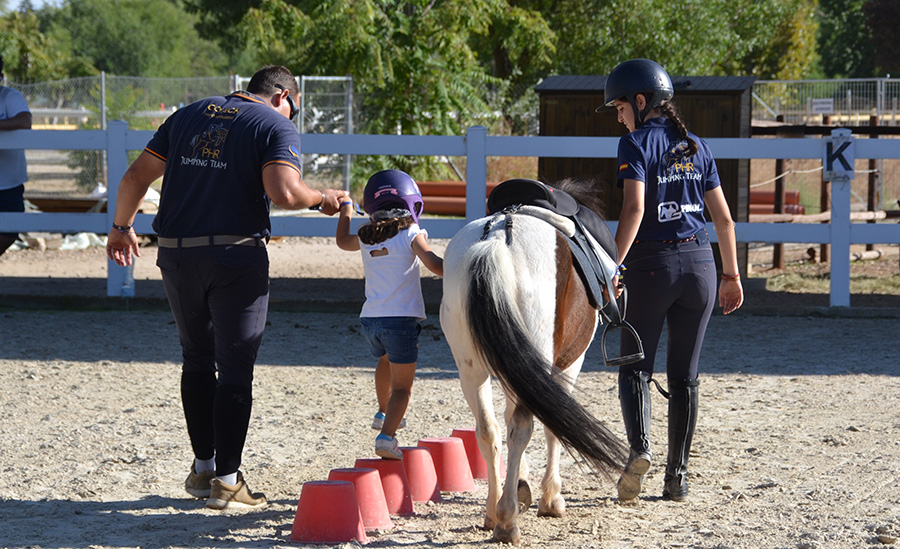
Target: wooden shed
[{"x": 711, "y": 106}]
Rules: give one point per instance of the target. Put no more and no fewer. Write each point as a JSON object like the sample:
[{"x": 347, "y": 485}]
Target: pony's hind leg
[
  {"x": 476, "y": 387},
  {"x": 520, "y": 425},
  {"x": 552, "y": 503}
]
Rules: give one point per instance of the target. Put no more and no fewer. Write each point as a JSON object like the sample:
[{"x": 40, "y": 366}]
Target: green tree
[
  {"x": 704, "y": 37},
  {"x": 882, "y": 17},
  {"x": 134, "y": 37},
  {"x": 31, "y": 56},
  {"x": 413, "y": 67},
  {"x": 787, "y": 47},
  {"x": 846, "y": 45}
]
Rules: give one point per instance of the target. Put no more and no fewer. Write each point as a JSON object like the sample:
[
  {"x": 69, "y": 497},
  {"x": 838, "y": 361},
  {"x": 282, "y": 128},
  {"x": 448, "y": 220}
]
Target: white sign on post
[
  {"x": 823, "y": 106},
  {"x": 839, "y": 158}
]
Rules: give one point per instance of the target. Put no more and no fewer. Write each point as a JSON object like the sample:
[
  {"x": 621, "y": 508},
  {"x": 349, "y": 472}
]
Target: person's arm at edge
[
  {"x": 731, "y": 292},
  {"x": 630, "y": 218},
  {"x": 130, "y": 195},
  {"x": 432, "y": 261},
  {"x": 343, "y": 238},
  {"x": 21, "y": 121},
  {"x": 284, "y": 187}
]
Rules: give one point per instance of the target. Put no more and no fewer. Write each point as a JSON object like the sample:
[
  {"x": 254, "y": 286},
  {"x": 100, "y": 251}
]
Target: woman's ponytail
[{"x": 669, "y": 111}]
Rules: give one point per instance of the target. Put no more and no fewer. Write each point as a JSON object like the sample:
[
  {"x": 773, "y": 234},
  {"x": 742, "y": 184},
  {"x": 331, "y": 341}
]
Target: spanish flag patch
[{"x": 623, "y": 166}]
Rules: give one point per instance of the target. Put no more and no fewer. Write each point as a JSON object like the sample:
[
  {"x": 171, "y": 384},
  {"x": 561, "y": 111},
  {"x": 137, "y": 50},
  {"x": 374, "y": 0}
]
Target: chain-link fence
[
  {"x": 89, "y": 102},
  {"x": 327, "y": 105},
  {"x": 847, "y": 102},
  {"x": 851, "y": 102}
]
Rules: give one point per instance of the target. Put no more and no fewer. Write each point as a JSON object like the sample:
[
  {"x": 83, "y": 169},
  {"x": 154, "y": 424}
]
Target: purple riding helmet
[{"x": 393, "y": 187}]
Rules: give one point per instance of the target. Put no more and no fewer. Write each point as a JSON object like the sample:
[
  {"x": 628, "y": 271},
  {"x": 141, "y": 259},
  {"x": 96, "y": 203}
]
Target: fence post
[
  {"x": 840, "y": 243},
  {"x": 873, "y": 198},
  {"x": 476, "y": 172},
  {"x": 825, "y": 203},
  {"x": 778, "y": 248},
  {"x": 119, "y": 280},
  {"x": 840, "y": 177}
]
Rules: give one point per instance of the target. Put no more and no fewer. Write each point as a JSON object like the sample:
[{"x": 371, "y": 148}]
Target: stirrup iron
[{"x": 622, "y": 360}]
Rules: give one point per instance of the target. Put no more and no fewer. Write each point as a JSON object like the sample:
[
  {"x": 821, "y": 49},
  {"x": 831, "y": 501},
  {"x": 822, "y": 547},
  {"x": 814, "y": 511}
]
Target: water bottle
[{"x": 128, "y": 282}]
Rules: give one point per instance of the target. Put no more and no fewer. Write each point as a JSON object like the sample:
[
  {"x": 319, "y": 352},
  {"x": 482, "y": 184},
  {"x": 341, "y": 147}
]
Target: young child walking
[{"x": 393, "y": 246}]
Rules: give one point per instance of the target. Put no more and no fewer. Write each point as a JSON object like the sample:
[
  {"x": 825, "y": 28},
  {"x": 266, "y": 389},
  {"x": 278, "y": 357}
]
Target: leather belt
[{"x": 212, "y": 240}]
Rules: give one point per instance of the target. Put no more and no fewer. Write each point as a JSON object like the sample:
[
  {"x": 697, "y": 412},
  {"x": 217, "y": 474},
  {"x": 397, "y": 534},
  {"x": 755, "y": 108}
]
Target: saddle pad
[
  {"x": 561, "y": 223},
  {"x": 532, "y": 193}
]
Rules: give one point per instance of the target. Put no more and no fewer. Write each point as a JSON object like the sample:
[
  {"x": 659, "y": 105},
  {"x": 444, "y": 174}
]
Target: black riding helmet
[{"x": 639, "y": 76}]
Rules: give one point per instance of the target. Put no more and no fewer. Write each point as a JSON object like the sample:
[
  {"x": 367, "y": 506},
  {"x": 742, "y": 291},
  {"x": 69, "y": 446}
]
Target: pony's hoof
[
  {"x": 555, "y": 509},
  {"x": 508, "y": 535},
  {"x": 523, "y": 494},
  {"x": 489, "y": 523}
]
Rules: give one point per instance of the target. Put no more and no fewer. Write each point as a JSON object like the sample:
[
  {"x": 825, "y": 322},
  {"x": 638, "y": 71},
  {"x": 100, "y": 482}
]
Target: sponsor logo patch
[{"x": 668, "y": 211}]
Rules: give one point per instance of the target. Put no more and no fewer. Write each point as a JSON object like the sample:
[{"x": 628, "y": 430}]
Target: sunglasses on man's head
[{"x": 294, "y": 110}]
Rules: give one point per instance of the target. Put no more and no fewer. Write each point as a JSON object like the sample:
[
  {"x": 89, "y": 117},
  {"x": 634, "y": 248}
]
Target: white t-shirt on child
[{"x": 393, "y": 285}]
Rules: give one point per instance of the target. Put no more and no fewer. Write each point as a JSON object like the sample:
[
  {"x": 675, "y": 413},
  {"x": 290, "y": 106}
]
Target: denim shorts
[{"x": 394, "y": 336}]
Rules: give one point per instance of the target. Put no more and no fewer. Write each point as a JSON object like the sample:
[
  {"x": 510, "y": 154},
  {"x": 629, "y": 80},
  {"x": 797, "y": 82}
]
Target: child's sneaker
[
  {"x": 386, "y": 447},
  {"x": 378, "y": 422}
]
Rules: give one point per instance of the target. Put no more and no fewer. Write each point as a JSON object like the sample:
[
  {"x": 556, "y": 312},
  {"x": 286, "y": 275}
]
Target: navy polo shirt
[
  {"x": 674, "y": 186},
  {"x": 215, "y": 150}
]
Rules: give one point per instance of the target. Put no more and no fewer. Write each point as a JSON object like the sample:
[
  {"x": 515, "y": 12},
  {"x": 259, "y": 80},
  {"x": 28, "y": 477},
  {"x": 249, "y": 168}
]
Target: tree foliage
[
  {"x": 882, "y": 17},
  {"x": 708, "y": 37},
  {"x": 134, "y": 37},
  {"x": 438, "y": 66},
  {"x": 31, "y": 56},
  {"x": 414, "y": 69},
  {"x": 845, "y": 40}
]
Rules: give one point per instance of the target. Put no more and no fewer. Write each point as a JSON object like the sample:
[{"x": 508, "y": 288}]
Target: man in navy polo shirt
[
  {"x": 222, "y": 159},
  {"x": 14, "y": 115}
]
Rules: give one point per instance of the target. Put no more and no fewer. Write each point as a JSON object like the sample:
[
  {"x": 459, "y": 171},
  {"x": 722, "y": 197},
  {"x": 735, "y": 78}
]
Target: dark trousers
[
  {"x": 11, "y": 200},
  {"x": 219, "y": 296},
  {"x": 672, "y": 284}
]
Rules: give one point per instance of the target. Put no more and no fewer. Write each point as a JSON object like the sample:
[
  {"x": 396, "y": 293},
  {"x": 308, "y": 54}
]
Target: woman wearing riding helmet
[
  {"x": 669, "y": 177},
  {"x": 392, "y": 245}
]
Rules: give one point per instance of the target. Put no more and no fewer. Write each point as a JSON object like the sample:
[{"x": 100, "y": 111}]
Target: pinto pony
[{"x": 514, "y": 306}]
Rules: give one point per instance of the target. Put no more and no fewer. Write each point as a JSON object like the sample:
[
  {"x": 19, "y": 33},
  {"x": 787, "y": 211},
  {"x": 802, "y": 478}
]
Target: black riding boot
[
  {"x": 634, "y": 397},
  {"x": 683, "y": 405}
]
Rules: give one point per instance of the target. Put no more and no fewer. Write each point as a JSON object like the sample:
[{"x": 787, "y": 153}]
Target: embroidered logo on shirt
[
  {"x": 668, "y": 211},
  {"x": 623, "y": 166},
  {"x": 294, "y": 151},
  {"x": 379, "y": 253},
  {"x": 209, "y": 143}
]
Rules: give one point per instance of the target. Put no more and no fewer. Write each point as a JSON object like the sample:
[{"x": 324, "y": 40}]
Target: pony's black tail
[{"x": 499, "y": 334}]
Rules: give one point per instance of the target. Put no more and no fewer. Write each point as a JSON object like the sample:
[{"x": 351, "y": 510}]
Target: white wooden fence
[{"x": 476, "y": 146}]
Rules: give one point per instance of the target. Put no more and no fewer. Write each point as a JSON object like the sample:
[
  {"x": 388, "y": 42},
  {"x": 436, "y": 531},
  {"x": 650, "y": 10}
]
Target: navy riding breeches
[{"x": 672, "y": 283}]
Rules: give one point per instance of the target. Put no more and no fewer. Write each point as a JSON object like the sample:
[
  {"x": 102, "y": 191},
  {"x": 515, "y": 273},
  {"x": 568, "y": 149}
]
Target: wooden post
[
  {"x": 824, "y": 201},
  {"x": 873, "y": 199},
  {"x": 778, "y": 248}
]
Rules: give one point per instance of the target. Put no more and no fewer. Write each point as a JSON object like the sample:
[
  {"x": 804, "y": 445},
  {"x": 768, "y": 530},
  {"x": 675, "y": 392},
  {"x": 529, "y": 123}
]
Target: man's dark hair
[{"x": 268, "y": 80}]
